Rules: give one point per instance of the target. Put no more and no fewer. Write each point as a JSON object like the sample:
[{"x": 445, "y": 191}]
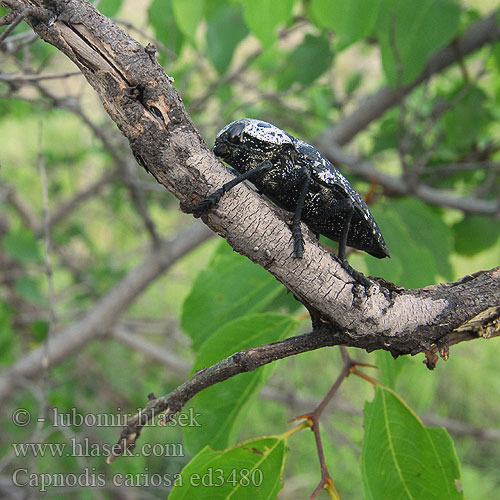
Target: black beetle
[{"x": 298, "y": 178}]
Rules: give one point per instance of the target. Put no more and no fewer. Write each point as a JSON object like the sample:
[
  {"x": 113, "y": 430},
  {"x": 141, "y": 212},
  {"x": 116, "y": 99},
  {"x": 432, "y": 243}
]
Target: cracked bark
[{"x": 140, "y": 98}]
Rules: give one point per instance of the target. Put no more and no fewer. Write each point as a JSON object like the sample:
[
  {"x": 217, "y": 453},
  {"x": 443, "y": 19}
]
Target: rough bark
[{"x": 140, "y": 98}]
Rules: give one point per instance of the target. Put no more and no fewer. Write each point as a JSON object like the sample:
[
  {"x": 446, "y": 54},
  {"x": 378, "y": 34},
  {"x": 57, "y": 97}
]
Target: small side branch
[{"x": 240, "y": 362}]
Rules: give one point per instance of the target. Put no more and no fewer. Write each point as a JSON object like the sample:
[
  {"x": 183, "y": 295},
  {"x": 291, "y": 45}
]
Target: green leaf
[
  {"x": 467, "y": 118},
  {"x": 229, "y": 287},
  {"x": 224, "y": 31},
  {"x": 162, "y": 19},
  {"x": 39, "y": 330},
  {"x": 7, "y": 336},
  {"x": 402, "y": 458},
  {"x": 29, "y": 289},
  {"x": 410, "y": 264},
  {"x": 476, "y": 233},
  {"x": 351, "y": 21},
  {"x": 389, "y": 368},
  {"x": 495, "y": 54},
  {"x": 419, "y": 241},
  {"x": 221, "y": 406},
  {"x": 16, "y": 108},
  {"x": 477, "y": 484},
  {"x": 306, "y": 62},
  {"x": 386, "y": 137},
  {"x": 21, "y": 245},
  {"x": 416, "y": 30},
  {"x": 252, "y": 470},
  {"x": 188, "y": 15},
  {"x": 110, "y": 7},
  {"x": 353, "y": 82},
  {"x": 426, "y": 227},
  {"x": 263, "y": 18}
]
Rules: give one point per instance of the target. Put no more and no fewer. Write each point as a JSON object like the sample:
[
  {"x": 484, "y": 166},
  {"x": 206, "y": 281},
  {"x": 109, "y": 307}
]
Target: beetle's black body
[{"x": 298, "y": 178}]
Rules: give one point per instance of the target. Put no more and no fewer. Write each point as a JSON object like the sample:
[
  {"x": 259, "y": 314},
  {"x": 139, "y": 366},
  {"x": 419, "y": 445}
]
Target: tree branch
[
  {"x": 396, "y": 185},
  {"x": 482, "y": 32},
  {"x": 101, "y": 319},
  {"x": 240, "y": 362},
  {"x": 140, "y": 98}
]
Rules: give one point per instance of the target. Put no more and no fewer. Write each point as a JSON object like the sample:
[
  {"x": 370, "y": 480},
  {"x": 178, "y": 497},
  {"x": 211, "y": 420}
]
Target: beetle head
[{"x": 246, "y": 143}]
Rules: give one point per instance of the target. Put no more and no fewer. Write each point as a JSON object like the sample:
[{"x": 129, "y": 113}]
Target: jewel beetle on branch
[{"x": 298, "y": 178}]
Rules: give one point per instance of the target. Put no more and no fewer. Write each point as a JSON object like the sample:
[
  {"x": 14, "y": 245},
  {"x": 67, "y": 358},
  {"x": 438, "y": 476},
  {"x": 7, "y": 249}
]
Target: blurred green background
[{"x": 305, "y": 66}]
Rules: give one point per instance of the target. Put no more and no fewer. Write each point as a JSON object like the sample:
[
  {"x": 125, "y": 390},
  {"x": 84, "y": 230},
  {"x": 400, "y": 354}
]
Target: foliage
[
  {"x": 303, "y": 66},
  {"x": 398, "y": 451}
]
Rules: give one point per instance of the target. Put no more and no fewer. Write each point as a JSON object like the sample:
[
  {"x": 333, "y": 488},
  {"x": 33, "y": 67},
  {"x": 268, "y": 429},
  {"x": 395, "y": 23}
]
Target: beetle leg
[
  {"x": 349, "y": 212},
  {"x": 298, "y": 240},
  {"x": 345, "y": 205},
  {"x": 357, "y": 275},
  {"x": 212, "y": 200}
]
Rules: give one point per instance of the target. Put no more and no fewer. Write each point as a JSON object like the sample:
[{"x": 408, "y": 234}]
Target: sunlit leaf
[
  {"x": 467, "y": 118},
  {"x": 251, "y": 470},
  {"x": 162, "y": 19},
  {"x": 404, "y": 459},
  {"x": 229, "y": 287},
  {"x": 263, "y": 18},
  {"x": 306, "y": 62},
  {"x": 389, "y": 368},
  {"x": 409, "y": 32},
  {"x": 188, "y": 14},
  {"x": 29, "y": 289},
  {"x": 110, "y": 7},
  {"x": 225, "y": 29},
  {"x": 22, "y": 246},
  {"x": 351, "y": 21},
  {"x": 419, "y": 241},
  {"x": 476, "y": 233}
]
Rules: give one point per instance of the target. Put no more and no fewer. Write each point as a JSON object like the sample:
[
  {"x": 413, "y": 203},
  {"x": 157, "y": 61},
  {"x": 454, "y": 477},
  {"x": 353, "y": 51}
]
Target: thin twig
[
  {"x": 37, "y": 77},
  {"x": 44, "y": 375},
  {"x": 129, "y": 168},
  {"x": 48, "y": 248},
  {"x": 23, "y": 208},
  {"x": 67, "y": 207},
  {"x": 8, "y": 18},
  {"x": 152, "y": 351},
  {"x": 313, "y": 417},
  {"x": 13, "y": 24},
  {"x": 455, "y": 427}
]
